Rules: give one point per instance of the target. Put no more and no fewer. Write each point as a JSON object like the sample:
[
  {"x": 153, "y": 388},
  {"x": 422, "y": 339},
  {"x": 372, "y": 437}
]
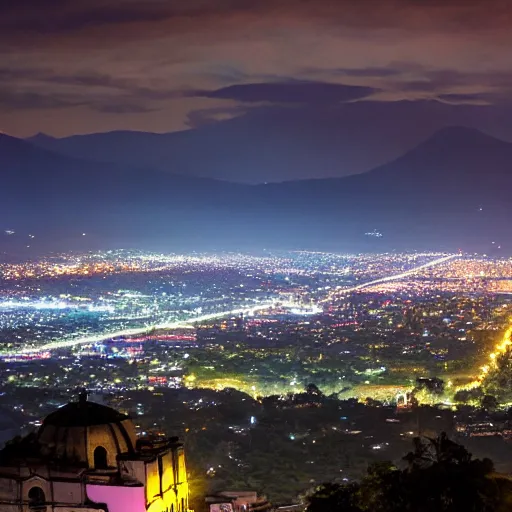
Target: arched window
[
  {"x": 36, "y": 500},
  {"x": 100, "y": 458}
]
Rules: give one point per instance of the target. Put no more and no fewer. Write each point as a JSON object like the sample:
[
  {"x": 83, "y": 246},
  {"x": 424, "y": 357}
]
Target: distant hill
[
  {"x": 269, "y": 144},
  {"x": 49, "y": 178},
  {"x": 60, "y": 196},
  {"x": 455, "y": 159},
  {"x": 451, "y": 191},
  {"x": 272, "y": 144}
]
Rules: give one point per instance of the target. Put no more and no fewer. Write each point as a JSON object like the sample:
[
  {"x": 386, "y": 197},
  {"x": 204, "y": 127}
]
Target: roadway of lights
[
  {"x": 501, "y": 348},
  {"x": 394, "y": 277},
  {"x": 55, "y": 345}
]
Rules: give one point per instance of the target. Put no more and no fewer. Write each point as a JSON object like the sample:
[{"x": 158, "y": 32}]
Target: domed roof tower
[{"x": 86, "y": 433}]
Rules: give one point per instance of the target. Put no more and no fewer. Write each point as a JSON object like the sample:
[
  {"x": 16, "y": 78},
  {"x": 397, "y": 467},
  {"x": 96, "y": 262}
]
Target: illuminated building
[
  {"x": 86, "y": 457},
  {"x": 238, "y": 501}
]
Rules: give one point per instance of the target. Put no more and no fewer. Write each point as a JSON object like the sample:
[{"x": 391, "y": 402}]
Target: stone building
[{"x": 86, "y": 457}]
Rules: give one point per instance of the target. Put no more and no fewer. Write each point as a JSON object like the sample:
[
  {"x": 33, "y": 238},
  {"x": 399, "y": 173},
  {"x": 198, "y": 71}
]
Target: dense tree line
[{"x": 440, "y": 476}]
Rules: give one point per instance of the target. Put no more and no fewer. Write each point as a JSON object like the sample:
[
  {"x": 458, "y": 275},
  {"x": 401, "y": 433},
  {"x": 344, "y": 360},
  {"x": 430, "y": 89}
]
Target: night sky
[{"x": 83, "y": 66}]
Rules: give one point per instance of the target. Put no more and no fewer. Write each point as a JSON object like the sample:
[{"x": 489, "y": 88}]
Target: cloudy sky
[{"x": 79, "y": 66}]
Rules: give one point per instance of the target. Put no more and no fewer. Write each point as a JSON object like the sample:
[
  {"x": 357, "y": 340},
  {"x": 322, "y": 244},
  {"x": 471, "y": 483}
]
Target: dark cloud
[
  {"x": 488, "y": 87},
  {"x": 427, "y": 82},
  {"x": 86, "y": 80},
  {"x": 360, "y": 72},
  {"x": 290, "y": 92},
  {"x": 27, "y": 100},
  {"x": 55, "y": 16},
  {"x": 62, "y": 15},
  {"x": 424, "y": 85},
  {"x": 502, "y": 78},
  {"x": 122, "y": 108},
  {"x": 50, "y": 76},
  {"x": 476, "y": 98},
  {"x": 188, "y": 63},
  {"x": 38, "y": 88},
  {"x": 368, "y": 72}
]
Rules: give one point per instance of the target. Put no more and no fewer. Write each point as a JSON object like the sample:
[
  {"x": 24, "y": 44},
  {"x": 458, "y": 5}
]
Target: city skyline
[{"x": 270, "y": 237}]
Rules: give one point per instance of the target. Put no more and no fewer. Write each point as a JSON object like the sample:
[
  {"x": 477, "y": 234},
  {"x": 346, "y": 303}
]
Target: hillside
[
  {"x": 50, "y": 178},
  {"x": 59, "y": 197},
  {"x": 452, "y": 190}
]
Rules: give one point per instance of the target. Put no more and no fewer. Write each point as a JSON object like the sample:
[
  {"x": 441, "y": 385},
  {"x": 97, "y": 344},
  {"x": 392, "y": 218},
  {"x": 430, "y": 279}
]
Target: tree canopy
[{"x": 440, "y": 476}]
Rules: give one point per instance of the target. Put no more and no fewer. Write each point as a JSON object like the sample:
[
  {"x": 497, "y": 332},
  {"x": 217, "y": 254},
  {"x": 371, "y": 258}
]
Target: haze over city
[{"x": 255, "y": 256}]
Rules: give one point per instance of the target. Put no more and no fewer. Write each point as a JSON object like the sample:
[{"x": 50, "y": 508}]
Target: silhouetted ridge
[
  {"x": 449, "y": 155},
  {"x": 461, "y": 137},
  {"x": 8, "y": 142},
  {"x": 267, "y": 144},
  {"x": 41, "y": 138}
]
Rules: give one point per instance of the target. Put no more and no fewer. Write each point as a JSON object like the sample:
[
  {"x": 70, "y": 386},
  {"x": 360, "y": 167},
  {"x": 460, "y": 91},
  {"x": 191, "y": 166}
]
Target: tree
[
  {"x": 498, "y": 381},
  {"x": 312, "y": 389},
  {"x": 468, "y": 395},
  {"x": 380, "y": 489},
  {"x": 433, "y": 385},
  {"x": 489, "y": 403},
  {"x": 441, "y": 476},
  {"x": 335, "y": 498},
  {"x": 371, "y": 402}
]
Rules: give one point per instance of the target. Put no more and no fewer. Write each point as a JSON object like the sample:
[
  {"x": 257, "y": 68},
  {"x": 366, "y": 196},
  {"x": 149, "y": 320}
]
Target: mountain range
[
  {"x": 260, "y": 146},
  {"x": 131, "y": 188}
]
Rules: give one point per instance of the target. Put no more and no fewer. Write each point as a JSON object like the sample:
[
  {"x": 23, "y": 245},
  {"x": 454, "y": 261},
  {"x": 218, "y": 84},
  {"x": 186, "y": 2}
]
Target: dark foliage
[{"x": 441, "y": 476}]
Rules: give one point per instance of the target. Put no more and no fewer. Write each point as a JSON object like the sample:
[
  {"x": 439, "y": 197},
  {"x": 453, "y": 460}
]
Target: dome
[
  {"x": 88, "y": 434},
  {"x": 84, "y": 414}
]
